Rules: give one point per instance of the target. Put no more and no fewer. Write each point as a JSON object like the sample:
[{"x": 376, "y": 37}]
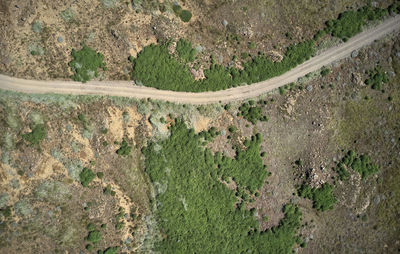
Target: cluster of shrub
[
  {"x": 85, "y": 63},
  {"x": 322, "y": 197},
  {"x": 184, "y": 15},
  {"x": 359, "y": 163},
  {"x": 155, "y": 67},
  {"x": 252, "y": 112},
  {"x": 376, "y": 78},
  {"x": 199, "y": 213}
]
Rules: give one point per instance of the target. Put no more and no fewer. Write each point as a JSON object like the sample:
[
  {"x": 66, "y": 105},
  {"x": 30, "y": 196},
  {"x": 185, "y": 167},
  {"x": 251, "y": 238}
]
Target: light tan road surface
[{"x": 128, "y": 89}]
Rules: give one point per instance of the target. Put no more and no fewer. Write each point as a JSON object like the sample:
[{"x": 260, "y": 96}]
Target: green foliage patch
[
  {"x": 125, "y": 148},
  {"x": 322, "y": 197},
  {"x": 350, "y": 23},
  {"x": 86, "y": 63},
  {"x": 37, "y": 134},
  {"x": 359, "y": 163},
  {"x": 251, "y": 112},
  {"x": 197, "y": 213},
  {"x": 376, "y": 78},
  {"x": 155, "y": 67},
  {"x": 86, "y": 176},
  {"x": 94, "y": 236},
  {"x": 184, "y": 15},
  {"x": 185, "y": 50}
]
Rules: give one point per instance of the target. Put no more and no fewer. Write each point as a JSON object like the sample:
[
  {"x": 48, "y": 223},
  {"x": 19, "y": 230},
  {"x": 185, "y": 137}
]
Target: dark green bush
[
  {"x": 94, "y": 236},
  {"x": 198, "y": 212},
  {"x": 154, "y": 66},
  {"x": 100, "y": 175},
  {"x": 112, "y": 250},
  {"x": 252, "y": 113},
  {"x": 376, "y": 78},
  {"x": 124, "y": 149},
  {"x": 322, "y": 197},
  {"x": 86, "y": 63},
  {"x": 350, "y": 23},
  {"x": 37, "y": 134},
  {"x": 86, "y": 176},
  {"x": 185, "y": 15},
  {"x": 185, "y": 50},
  {"x": 325, "y": 71}
]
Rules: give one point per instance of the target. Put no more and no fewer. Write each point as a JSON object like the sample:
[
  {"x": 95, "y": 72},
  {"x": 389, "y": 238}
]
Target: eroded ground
[{"x": 45, "y": 208}]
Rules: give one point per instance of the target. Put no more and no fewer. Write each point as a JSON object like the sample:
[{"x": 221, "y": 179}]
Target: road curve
[{"x": 128, "y": 89}]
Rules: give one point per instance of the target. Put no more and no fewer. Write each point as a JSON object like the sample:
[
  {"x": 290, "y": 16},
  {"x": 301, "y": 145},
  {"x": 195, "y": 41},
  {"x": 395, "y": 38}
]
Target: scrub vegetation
[
  {"x": 212, "y": 218},
  {"x": 322, "y": 197},
  {"x": 86, "y": 63},
  {"x": 155, "y": 67}
]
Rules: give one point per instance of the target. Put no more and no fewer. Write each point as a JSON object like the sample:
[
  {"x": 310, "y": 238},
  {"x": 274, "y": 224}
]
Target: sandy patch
[{"x": 201, "y": 123}]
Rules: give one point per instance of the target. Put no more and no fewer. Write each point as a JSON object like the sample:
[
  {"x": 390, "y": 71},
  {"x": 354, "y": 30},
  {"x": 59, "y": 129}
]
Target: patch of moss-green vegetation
[
  {"x": 155, "y": 67},
  {"x": 359, "y": 163},
  {"x": 376, "y": 78},
  {"x": 110, "y": 250},
  {"x": 252, "y": 112},
  {"x": 210, "y": 134},
  {"x": 86, "y": 176},
  {"x": 322, "y": 197},
  {"x": 197, "y": 212},
  {"x": 86, "y": 63},
  {"x": 350, "y": 23},
  {"x": 184, "y": 15},
  {"x": 325, "y": 71},
  {"x": 94, "y": 236},
  {"x": 185, "y": 50},
  {"x": 125, "y": 148},
  {"x": 37, "y": 134}
]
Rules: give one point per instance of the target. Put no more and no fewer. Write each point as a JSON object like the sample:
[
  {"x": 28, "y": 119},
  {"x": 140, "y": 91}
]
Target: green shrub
[
  {"x": 376, "y": 78},
  {"x": 154, "y": 66},
  {"x": 37, "y": 134},
  {"x": 350, "y": 23},
  {"x": 100, "y": 175},
  {"x": 252, "y": 113},
  {"x": 124, "y": 149},
  {"x": 325, "y": 71},
  {"x": 91, "y": 227},
  {"x": 185, "y": 50},
  {"x": 112, "y": 250},
  {"x": 89, "y": 247},
  {"x": 185, "y": 15},
  {"x": 364, "y": 166},
  {"x": 322, "y": 197},
  {"x": 198, "y": 212},
  {"x": 177, "y": 8},
  {"x": 86, "y": 176},
  {"x": 86, "y": 63},
  {"x": 94, "y": 236},
  {"x": 232, "y": 128}
]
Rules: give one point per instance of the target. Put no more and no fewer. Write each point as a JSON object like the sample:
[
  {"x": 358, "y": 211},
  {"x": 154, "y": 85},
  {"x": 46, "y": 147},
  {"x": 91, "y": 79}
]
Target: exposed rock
[
  {"x": 199, "y": 49},
  {"x": 354, "y": 53},
  {"x": 356, "y": 78},
  {"x": 60, "y": 39},
  {"x": 198, "y": 74},
  {"x": 224, "y": 22},
  {"x": 4, "y": 198}
]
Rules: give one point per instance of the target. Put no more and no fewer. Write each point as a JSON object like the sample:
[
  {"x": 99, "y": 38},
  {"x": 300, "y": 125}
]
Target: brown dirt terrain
[{"x": 118, "y": 29}]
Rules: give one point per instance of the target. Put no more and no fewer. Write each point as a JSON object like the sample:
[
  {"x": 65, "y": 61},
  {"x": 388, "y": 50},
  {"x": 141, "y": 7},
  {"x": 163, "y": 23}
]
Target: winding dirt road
[{"x": 128, "y": 89}]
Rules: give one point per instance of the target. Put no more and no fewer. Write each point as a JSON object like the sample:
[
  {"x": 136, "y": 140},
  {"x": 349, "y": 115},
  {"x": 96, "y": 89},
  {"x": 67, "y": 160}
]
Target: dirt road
[{"x": 127, "y": 89}]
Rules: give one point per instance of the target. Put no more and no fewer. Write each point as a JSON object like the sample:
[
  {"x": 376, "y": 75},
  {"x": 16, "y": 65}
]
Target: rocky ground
[
  {"x": 37, "y": 36},
  {"x": 44, "y": 207}
]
